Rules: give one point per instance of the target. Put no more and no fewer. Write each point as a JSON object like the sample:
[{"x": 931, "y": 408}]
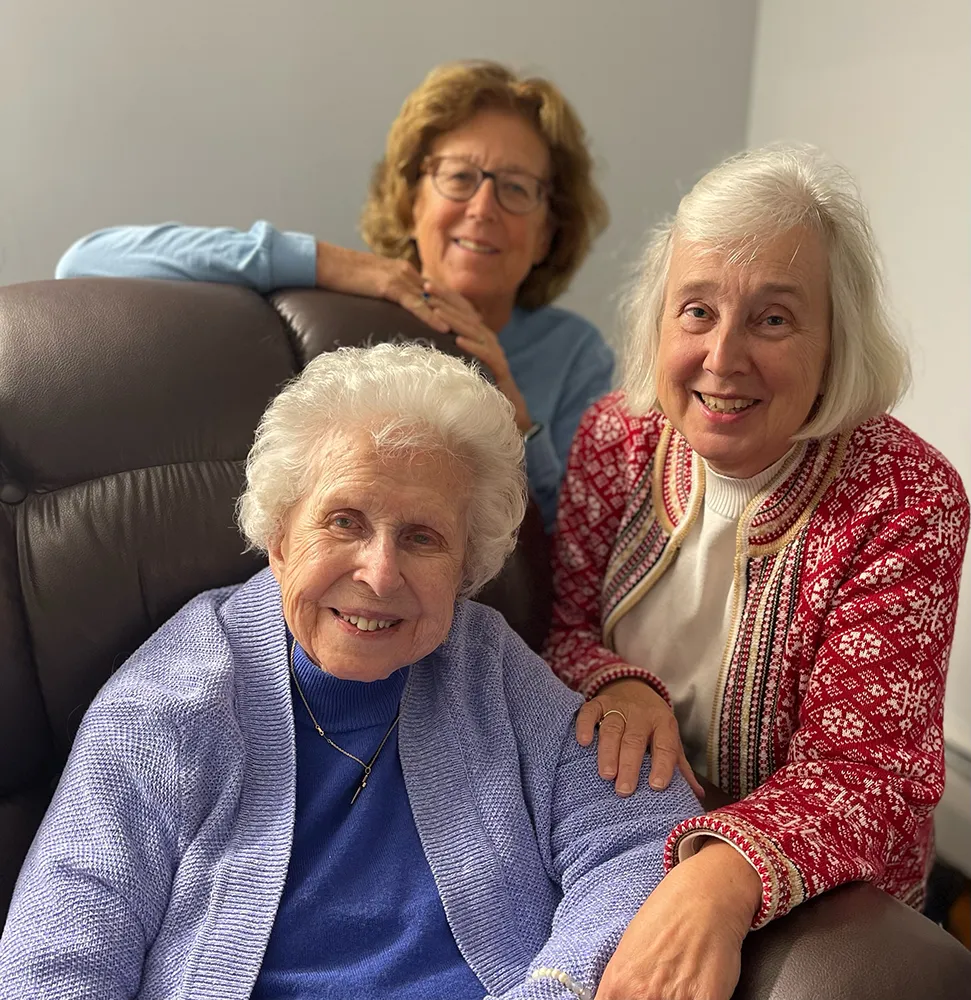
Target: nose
[
  {"x": 727, "y": 349},
  {"x": 379, "y": 567},
  {"x": 483, "y": 204}
]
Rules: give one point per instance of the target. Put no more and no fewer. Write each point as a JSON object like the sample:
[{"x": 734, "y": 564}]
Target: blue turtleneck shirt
[{"x": 360, "y": 914}]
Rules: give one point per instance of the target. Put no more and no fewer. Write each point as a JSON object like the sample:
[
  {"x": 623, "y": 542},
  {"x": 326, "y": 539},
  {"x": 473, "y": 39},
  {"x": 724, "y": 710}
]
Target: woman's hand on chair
[
  {"x": 475, "y": 337},
  {"x": 359, "y": 273},
  {"x": 634, "y": 717}
]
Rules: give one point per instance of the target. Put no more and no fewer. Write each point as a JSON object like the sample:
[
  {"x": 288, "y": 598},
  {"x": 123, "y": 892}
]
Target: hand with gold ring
[
  {"x": 628, "y": 716},
  {"x": 613, "y": 711}
]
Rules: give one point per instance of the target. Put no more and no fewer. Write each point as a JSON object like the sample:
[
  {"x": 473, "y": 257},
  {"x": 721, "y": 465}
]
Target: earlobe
[{"x": 274, "y": 551}]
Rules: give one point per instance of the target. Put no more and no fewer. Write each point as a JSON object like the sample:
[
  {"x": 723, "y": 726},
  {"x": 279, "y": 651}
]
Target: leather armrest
[{"x": 854, "y": 943}]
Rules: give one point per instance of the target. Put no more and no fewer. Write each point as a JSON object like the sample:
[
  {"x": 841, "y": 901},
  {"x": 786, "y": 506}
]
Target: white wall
[
  {"x": 225, "y": 111},
  {"x": 885, "y": 86}
]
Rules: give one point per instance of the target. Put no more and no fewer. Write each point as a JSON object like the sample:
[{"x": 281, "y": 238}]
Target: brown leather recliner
[{"x": 126, "y": 410}]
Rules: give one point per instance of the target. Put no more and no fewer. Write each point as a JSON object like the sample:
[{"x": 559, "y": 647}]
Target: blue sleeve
[
  {"x": 608, "y": 856},
  {"x": 93, "y": 891},
  {"x": 262, "y": 258},
  {"x": 588, "y": 379},
  {"x": 606, "y": 853}
]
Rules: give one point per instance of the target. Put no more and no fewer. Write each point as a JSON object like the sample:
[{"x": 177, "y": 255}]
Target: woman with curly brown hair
[{"x": 482, "y": 260}]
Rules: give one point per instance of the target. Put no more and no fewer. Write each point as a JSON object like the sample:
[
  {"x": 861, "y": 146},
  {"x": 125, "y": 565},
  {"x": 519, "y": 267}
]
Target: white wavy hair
[
  {"x": 409, "y": 398},
  {"x": 752, "y": 197}
]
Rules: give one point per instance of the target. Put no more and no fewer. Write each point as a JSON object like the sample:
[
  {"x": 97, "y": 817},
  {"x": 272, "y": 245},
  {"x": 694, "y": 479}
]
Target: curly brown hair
[{"x": 447, "y": 98}]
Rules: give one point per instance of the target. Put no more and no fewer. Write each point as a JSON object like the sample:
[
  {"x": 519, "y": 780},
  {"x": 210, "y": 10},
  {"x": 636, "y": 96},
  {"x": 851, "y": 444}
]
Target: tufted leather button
[{"x": 12, "y": 493}]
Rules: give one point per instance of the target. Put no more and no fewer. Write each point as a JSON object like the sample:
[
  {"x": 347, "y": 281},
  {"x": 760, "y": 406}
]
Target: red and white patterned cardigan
[{"x": 828, "y": 723}]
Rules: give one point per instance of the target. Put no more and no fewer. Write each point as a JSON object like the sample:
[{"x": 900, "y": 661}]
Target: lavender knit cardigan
[{"x": 158, "y": 869}]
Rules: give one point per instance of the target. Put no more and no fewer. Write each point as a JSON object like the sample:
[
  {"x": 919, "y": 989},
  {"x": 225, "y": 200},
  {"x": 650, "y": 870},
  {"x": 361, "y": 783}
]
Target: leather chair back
[{"x": 126, "y": 411}]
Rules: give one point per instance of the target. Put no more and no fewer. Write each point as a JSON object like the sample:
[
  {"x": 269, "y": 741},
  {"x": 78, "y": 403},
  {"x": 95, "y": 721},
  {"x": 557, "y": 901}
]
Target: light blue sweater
[
  {"x": 159, "y": 867},
  {"x": 559, "y": 361}
]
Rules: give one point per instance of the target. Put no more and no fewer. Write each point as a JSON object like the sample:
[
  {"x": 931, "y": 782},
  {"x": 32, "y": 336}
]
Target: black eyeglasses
[{"x": 458, "y": 180}]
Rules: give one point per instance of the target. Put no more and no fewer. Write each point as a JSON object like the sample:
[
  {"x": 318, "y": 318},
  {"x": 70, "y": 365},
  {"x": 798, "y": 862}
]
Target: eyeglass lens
[{"x": 458, "y": 180}]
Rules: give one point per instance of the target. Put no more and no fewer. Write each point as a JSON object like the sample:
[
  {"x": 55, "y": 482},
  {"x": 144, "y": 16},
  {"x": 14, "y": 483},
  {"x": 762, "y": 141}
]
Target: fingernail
[
  {"x": 624, "y": 789},
  {"x": 657, "y": 784}
]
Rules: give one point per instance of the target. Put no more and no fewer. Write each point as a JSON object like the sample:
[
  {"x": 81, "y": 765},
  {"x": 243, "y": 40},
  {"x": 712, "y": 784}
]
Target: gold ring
[{"x": 613, "y": 711}]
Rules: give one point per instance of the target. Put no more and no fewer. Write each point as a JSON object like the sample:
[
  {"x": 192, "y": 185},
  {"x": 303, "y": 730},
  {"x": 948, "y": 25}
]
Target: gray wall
[
  {"x": 885, "y": 87},
  {"x": 226, "y": 111}
]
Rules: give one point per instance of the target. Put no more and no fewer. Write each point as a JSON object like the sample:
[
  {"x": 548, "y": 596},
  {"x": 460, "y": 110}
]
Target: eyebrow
[
  {"x": 693, "y": 288},
  {"x": 509, "y": 168},
  {"x": 340, "y": 502},
  {"x": 783, "y": 288}
]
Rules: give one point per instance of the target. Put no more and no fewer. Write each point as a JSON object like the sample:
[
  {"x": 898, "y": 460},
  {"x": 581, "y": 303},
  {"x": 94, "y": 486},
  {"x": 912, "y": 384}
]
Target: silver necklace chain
[{"x": 366, "y": 765}]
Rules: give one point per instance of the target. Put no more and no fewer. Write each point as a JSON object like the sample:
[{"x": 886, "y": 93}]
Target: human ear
[{"x": 274, "y": 551}]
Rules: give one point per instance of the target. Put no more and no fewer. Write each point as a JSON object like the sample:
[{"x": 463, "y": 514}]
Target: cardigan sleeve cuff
[
  {"x": 782, "y": 883},
  {"x": 692, "y": 842},
  {"x": 598, "y": 680}
]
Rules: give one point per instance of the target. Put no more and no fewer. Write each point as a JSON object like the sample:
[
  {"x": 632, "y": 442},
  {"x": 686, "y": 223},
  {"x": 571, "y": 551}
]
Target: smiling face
[
  {"x": 371, "y": 561},
  {"x": 743, "y": 348},
  {"x": 476, "y": 247}
]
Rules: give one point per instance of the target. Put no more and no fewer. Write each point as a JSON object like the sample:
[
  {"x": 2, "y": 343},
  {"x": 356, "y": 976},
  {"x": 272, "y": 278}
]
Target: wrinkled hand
[
  {"x": 685, "y": 942},
  {"x": 622, "y": 745},
  {"x": 358, "y": 273},
  {"x": 472, "y": 335}
]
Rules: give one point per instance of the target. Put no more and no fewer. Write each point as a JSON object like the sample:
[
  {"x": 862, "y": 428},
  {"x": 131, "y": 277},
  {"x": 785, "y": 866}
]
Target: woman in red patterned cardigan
[{"x": 757, "y": 568}]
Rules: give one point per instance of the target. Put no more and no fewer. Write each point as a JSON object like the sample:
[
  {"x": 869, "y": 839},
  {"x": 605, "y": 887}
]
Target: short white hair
[
  {"x": 752, "y": 197},
  {"x": 407, "y": 397}
]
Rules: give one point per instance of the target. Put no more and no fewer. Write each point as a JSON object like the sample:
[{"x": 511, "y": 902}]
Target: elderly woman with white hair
[
  {"x": 334, "y": 780},
  {"x": 757, "y": 567}
]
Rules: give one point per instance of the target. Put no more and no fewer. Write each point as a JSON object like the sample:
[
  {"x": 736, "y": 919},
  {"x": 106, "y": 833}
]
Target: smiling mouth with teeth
[
  {"x": 474, "y": 247},
  {"x": 718, "y": 404},
  {"x": 363, "y": 624}
]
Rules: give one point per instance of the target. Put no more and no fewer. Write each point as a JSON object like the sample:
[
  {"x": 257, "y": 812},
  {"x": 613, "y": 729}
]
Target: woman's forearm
[
  {"x": 261, "y": 258},
  {"x": 728, "y": 881}
]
